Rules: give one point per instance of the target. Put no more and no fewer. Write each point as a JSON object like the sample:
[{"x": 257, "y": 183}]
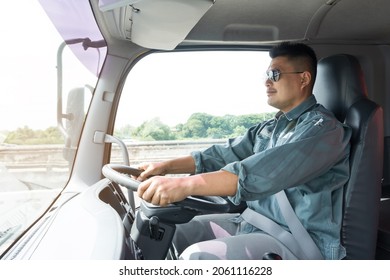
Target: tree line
[
  {"x": 198, "y": 126},
  {"x": 27, "y": 136}
]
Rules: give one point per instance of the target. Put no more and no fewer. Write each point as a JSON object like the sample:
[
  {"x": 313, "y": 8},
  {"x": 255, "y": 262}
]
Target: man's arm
[
  {"x": 161, "y": 190},
  {"x": 182, "y": 165}
]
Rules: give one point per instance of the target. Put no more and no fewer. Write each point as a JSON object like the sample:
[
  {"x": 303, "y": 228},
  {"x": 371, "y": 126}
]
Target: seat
[{"x": 341, "y": 88}]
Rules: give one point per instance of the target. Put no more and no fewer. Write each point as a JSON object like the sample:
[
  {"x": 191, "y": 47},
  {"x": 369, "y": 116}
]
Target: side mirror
[
  {"x": 74, "y": 116},
  {"x": 74, "y": 119},
  {"x": 73, "y": 122}
]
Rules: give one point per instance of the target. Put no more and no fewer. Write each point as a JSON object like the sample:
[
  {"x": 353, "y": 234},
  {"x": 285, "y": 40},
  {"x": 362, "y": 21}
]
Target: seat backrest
[{"x": 340, "y": 87}]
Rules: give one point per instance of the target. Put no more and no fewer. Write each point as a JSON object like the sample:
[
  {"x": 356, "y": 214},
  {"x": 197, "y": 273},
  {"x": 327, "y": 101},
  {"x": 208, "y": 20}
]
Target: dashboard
[{"x": 91, "y": 225}]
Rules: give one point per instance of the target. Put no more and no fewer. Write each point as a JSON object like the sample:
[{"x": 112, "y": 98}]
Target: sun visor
[{"x": 154, "y": 24}]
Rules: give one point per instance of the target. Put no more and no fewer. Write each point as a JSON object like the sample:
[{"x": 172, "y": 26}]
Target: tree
[
  {"x": 224, "y": 125},
  {"x": 239, "y": 130},
  {"x": 27, "y": 136},
  {"x": 196, "y": 126},
  {"x": 153, "y": 130},
  {"x": 124, "y": 132}
]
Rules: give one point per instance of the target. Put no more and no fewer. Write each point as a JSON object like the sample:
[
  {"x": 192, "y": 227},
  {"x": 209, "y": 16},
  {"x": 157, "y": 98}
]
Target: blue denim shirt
[{"x": 304, "y": 152}]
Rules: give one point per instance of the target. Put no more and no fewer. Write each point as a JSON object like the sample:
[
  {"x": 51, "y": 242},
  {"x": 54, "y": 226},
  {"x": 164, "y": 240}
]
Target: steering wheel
[{"x": 119, "y": 174}]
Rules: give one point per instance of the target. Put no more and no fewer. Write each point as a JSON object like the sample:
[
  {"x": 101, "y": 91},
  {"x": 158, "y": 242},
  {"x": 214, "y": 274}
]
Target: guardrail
[{"x": 50, "y": 157}]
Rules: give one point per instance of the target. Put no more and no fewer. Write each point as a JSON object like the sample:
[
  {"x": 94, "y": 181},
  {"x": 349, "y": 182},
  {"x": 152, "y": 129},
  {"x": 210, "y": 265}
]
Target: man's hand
[
  {"x": 151, "y": 169},
  {"x": 160, "y": 190}
]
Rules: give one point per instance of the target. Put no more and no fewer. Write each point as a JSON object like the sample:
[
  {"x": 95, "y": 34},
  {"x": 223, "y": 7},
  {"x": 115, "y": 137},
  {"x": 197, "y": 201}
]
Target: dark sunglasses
[{"x": 274, "y": 74}]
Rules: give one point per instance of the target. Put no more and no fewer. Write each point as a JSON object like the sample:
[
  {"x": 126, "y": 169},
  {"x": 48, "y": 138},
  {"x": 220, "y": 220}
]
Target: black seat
[{"x": 340, "y": 87}]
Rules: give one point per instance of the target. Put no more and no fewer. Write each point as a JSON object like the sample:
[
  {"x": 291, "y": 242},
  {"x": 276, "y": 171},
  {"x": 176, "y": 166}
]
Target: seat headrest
[{"x": 339, "y": 83}]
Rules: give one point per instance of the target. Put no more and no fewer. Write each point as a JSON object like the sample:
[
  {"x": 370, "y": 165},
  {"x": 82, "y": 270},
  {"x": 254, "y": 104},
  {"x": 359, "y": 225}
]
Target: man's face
[{"x": 287, "y": 92}]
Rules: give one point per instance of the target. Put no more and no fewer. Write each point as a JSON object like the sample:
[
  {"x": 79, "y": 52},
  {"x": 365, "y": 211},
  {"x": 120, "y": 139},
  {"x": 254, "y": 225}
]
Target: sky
[
  {"x": 28, "y": 55},
  {"x": 29, "y": 44},
  {"x": 188, "y": 86}
]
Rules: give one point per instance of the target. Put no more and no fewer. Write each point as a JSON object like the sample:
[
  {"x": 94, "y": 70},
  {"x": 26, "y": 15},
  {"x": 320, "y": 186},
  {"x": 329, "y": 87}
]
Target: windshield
[
  {"x": 183, "y": 89},
  {"x": 45, "y": 93}
]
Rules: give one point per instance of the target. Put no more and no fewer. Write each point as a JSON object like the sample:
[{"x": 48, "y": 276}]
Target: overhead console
[{"x": 153, "y": 24}]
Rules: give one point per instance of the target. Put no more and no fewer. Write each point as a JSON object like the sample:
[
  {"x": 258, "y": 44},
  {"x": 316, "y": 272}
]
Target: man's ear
[{"x": 305, "y": 78}]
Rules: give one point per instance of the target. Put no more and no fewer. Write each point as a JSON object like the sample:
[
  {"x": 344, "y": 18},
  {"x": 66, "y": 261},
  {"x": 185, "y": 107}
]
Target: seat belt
[
  {"x": 298, "y": 231},
  {"x": 298, "y": 241},
  {"x": 273, "y": 229}
]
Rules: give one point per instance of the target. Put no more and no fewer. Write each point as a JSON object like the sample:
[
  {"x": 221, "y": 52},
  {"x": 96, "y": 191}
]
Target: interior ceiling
[
  {"x": 250, "y": 22},
  {"x": 277, "y": 20},
  {"x": 358, "y": 20},
  {"x": 256, "y": 16}
]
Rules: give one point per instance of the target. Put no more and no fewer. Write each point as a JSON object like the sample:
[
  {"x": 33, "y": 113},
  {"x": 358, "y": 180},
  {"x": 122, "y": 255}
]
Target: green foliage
[
  {"x": 27, "y": 136},
  {"x": 153, "y": 130},
  {"x": 125, "y": 132},
  {"x": 198, "y": 126},
  {"x": 201, "y": 125}
]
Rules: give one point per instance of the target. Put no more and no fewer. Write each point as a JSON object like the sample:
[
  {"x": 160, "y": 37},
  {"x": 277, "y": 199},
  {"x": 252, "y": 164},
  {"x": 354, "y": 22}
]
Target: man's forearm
[
  {"x": 182, "y": 165},
  {"x": 219, "y": 183}
]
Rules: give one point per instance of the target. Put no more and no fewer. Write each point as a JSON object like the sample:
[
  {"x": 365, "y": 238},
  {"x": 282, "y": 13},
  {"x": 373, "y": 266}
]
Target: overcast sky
[{"x": 29, "y": 44}]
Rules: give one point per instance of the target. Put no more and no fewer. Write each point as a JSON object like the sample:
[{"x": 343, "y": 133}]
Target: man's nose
[{"x": 267, "y": 82}]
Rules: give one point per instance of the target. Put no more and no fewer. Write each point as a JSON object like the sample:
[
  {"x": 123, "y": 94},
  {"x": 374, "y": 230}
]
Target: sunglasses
[{"x": 274, "y": 74}]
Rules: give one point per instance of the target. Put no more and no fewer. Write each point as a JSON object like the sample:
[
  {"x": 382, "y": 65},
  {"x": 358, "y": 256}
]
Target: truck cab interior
[{"x": 98, "y": 211}]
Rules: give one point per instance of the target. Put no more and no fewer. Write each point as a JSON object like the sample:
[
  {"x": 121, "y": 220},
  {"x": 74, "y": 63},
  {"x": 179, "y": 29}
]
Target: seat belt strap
[
  {"x": 297, "y": 229},
  {"x": 298, "y": 241},
  {"x": 273, "y": 229}
]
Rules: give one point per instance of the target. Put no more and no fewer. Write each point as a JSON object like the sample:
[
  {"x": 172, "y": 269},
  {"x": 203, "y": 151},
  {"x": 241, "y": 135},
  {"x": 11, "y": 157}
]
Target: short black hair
[{"x": 297, "y": 51}]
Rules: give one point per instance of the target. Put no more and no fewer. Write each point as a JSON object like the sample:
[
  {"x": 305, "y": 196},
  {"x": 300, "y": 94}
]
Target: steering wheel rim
[{"x": 119, "y": 174}]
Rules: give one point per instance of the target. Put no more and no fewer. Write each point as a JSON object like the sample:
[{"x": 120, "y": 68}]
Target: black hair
[{"x": 296, "y": 51}]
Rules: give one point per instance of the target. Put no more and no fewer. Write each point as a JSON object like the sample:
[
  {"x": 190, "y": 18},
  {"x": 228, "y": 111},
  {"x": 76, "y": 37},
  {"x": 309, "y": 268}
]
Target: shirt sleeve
[
  {"x": 218, "y": 156},
  {"x": 313, "y": 149},
  {"x": 310, "y": 153}
]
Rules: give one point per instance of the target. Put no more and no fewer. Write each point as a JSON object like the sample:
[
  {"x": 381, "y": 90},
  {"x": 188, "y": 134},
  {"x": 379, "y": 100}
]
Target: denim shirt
[{"x": 304, "y": 152}]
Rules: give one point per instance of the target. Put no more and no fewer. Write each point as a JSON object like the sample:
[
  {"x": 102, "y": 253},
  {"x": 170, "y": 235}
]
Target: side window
[
  {"x": 36, "y": 153},
  {"x": 174, "y": 103}
]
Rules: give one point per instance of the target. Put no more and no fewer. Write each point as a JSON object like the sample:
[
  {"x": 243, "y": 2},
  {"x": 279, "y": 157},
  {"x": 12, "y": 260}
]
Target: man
[{"x": 303, "y": 151}]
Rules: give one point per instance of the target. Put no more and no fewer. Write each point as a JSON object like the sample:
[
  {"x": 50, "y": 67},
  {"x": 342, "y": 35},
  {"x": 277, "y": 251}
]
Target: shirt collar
[{"x": 300, "y": 109}]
